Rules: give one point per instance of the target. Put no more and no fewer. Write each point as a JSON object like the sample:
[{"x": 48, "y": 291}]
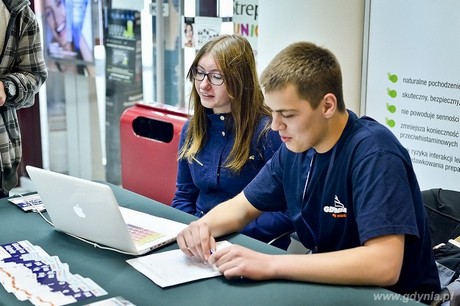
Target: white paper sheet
[{"x": 174, "y": 267}]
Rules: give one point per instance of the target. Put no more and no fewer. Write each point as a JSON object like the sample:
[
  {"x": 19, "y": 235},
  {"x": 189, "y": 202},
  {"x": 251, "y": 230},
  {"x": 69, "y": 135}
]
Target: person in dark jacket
[{"x": 228, "y": 139}]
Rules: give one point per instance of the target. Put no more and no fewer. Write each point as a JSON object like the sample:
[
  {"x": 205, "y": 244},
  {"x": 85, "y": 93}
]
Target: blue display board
[{"x": 68, "y": 28}]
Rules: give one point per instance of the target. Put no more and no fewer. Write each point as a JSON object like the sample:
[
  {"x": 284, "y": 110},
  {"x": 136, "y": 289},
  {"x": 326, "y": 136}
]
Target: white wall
[{"x": 334, "y": 24}]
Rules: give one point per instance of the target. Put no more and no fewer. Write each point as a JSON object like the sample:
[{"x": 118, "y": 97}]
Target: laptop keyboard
[{"x": 142, "y": 235}]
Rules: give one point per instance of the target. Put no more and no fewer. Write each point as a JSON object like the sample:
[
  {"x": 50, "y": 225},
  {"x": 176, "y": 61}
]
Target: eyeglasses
[{"x": 213, "y": 77}]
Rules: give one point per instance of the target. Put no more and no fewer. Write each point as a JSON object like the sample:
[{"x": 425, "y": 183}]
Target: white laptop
[{"x": 89, "y": 210}]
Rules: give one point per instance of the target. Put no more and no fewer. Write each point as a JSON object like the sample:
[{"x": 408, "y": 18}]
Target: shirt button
[
  {"x": 223, "y": 133},
  {"x": 222, "y": 118}
]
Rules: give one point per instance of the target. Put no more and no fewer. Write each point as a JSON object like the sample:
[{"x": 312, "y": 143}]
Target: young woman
[{"x": 228, "y": 139}]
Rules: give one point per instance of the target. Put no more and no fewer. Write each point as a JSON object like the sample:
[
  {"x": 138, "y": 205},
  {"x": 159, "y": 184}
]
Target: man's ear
[{"x": 329, "y": 105}]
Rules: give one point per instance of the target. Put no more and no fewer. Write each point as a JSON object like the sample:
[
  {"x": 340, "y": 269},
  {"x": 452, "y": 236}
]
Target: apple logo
[{"x": 79, "y": 211}]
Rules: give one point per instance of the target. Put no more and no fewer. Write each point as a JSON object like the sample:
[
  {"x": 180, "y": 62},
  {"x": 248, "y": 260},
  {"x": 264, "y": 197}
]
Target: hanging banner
[
  {"x": 413, "y": 84},
  {"x": 245, "y": 13},
  {"x": 123, "y": 78}
]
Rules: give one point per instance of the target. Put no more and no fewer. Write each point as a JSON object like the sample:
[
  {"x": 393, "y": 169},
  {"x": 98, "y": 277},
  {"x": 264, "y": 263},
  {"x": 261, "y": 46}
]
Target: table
[{"x": 110, "y": 270}]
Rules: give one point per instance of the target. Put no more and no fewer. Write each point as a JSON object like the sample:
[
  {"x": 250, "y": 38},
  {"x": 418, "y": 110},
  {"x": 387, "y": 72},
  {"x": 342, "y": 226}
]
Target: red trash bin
[{"x": 149, "y": 141}]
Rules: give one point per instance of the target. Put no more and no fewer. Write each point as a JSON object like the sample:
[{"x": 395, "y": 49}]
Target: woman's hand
[{"x": 196, "y": 240}]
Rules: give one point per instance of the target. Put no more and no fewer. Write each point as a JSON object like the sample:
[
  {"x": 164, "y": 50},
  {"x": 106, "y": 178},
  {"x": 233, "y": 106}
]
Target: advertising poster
[
  {"x": 123, "y": 46},
  {"x": 68, "y": 35},
  {"x": 413, "y": 84},
  {"x": 245, "y": 21},
  {"x": 123, "y": 78},
  {"x": 188, "y": 37},
  {"x": 206, "y": 28}
]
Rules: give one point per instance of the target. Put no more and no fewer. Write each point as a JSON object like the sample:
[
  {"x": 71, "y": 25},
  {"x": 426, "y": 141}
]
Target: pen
[{"x": 197, "y": 161}]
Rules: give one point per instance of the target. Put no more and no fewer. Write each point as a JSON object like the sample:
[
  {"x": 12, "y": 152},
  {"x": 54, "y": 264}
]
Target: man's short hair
[{"x": 314, "y": 72}]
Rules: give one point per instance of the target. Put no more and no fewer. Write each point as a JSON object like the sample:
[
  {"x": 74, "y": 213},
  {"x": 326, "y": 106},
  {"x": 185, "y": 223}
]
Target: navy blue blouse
[{"x": 206, "y": 182}]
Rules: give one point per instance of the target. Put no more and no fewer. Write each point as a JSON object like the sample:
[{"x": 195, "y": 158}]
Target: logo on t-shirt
[{"x": 338, "y": 210}]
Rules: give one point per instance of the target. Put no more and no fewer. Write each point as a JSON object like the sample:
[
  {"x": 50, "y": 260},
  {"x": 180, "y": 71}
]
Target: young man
[
  {"x": 22, "y": 72},
  {"x": 347, "y": 183}
]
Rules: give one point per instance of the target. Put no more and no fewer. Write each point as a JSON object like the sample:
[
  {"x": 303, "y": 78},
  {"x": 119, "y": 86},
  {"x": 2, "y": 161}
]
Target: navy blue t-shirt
[{"x": 364, "y": 187}]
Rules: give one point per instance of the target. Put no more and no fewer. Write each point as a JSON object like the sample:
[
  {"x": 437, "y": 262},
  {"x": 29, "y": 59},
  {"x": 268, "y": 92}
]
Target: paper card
[
  {"x": 51, "y": 298},
  {"x": 29, "y": 273},
  {"x": 17, "y": 249},
  {"x": 31, "y": 202},
  {"x": 94, "y": 288},
  {"x": 115, "y": 301}
]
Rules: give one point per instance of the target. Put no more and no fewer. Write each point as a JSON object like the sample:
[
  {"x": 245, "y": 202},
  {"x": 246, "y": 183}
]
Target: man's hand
[
  {"x": 2, "y": 94},
  {"x": 239, "y": 262}
]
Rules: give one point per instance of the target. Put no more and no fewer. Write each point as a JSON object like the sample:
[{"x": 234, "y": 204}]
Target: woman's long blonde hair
[{"x": 235, "y": 59}]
